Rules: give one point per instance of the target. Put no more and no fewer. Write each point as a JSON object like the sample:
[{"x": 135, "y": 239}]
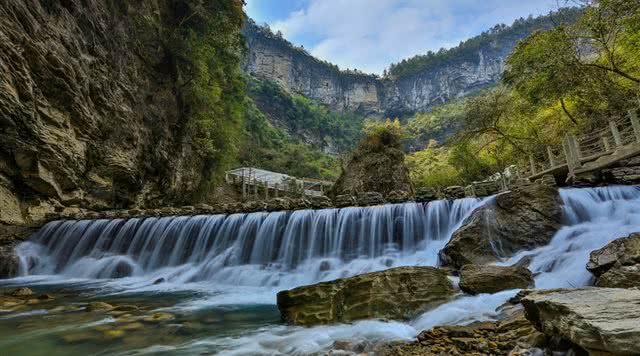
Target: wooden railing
[
  {"x": 258, "y": 183},
  {"x": 620, "y": 139}
]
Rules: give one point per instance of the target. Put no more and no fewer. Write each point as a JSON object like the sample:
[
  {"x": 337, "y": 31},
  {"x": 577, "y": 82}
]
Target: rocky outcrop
[
  {"x": 602, "y": 321},
  {"x": 464, "y": 71},
  {"x": 511, "y": 336},
  {"x": 476, "y": 279},
  {"x": 378, "y": 169},
  {"x": 272, "y": 57},
  {"x": 90, "y": 114},
  {"x": 523, "y": 218},
  {"x": 397, "y": 293},
  {"x": 617, "y": 265}
]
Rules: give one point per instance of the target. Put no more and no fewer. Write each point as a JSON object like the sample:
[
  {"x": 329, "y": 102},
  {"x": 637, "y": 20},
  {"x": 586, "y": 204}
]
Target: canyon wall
[
  {"x": 90, "y": 112},
  {"x": 272, "y": 57}
]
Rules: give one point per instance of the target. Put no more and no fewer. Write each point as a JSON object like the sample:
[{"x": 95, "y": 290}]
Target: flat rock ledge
[
  {"x": 602, "y": 321},
  {"x": 397, "y": 293},
  {"x": 476, "y": 279}
]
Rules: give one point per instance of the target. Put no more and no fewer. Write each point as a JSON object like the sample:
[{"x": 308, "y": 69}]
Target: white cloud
[{"x": 370, "y": 34}]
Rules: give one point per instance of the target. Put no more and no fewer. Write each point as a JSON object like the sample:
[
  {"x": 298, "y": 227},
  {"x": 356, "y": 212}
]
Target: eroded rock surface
[
  {"x": 617, "y": 265},
  {"x": 476, "y": 279},
  {"x": 600, "y": 320},
  {"x": 505, "y": 337},
  {"x": 90, "y": 112},
  {"x": 397, "y": 293},
  {"x": 523, "y": 218}
]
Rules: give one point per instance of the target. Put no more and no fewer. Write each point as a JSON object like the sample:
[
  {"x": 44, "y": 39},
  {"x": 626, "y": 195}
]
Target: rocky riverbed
[{"x": 208, "y": 283}]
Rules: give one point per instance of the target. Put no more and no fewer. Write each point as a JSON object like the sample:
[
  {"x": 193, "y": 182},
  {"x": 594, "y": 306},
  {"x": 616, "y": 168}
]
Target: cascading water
[
  {"x": 280, "y": 249},
  {"x": 241, "y": 261}
]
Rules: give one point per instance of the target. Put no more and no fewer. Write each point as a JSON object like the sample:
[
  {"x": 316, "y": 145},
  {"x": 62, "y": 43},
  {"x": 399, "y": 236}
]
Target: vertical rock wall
[{"x": 89, "y": 111}]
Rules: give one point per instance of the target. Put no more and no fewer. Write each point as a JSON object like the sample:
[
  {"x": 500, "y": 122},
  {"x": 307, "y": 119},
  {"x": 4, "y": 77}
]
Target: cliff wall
[
  {"x": 90, "y": 109},
  {"x": 412, "y": 87}
]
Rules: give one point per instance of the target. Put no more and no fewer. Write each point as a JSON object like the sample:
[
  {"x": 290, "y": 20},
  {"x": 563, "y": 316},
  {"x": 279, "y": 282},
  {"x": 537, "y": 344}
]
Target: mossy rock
[{"x": 397, "y": 293}]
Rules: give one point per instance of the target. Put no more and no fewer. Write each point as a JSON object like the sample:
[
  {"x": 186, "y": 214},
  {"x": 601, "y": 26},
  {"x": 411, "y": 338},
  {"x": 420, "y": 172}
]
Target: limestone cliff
[
  {"x": 272, "y": 57},
  {"x": 90, "y": 107},
  {"x": 477, "y": 63}
]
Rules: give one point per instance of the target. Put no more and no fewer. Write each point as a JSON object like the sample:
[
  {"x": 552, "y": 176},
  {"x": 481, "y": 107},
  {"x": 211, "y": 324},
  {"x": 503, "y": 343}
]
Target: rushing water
[{"x": 218, "y": 275}]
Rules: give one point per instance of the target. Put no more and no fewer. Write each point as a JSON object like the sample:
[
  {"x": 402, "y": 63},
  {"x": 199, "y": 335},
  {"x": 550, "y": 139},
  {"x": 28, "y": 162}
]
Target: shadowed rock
[
  {"x": 476, "y": 279},
  {"x": 617, "y": 265},
  {"x": 523, "y": 218}
]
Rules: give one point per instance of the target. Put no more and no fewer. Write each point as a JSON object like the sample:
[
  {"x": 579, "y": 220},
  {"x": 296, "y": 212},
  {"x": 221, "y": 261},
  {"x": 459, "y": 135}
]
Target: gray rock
[
  {"x": 520, "y": 219},
  {"x": 617, "y": 264},
  {"x": 476, "y": 279},
  {"x": 600, "y": 320},
  {"x": 397, "y": 293}
]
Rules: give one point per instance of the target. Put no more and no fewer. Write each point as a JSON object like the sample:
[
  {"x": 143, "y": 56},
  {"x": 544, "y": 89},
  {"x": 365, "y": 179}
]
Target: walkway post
[
  {"x": 566, "y": 146},
  {"x": 276, "y": 190},
  {"x": 255, "y": 188},
  {"x": 532, "y": 163},
  {"x": 633, "y": 116},
  {"x": 616, "y": 134},
  {"x": 575, "y": 146},
  {"x": 552, "y": 159},
  {"x": 244, "y": 185},
  {"x": 266, "y": 190}
]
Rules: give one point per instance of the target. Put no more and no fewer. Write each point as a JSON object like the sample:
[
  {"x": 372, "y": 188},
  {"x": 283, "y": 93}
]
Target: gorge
[
  {"x": 229, "y": 268},
  {"x": 124, "y": 231}
]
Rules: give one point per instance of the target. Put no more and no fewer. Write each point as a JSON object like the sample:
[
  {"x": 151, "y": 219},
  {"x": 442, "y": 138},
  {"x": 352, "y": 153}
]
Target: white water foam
[{"x": 245, "y": 259}]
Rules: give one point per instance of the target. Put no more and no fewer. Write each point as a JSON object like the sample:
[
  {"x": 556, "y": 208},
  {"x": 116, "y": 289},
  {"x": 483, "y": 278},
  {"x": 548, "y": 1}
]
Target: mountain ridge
[{"x": 476, "y": 63}]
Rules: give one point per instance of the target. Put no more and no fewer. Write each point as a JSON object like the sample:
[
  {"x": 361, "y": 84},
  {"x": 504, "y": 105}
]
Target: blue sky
[{"x": 371, "y": 34}]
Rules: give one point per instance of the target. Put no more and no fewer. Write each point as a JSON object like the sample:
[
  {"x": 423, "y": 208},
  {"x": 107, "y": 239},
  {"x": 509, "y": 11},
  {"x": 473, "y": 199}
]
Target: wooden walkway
[
  {"x": 588, "y": 153},
  {"x": 259, "y": 183}
]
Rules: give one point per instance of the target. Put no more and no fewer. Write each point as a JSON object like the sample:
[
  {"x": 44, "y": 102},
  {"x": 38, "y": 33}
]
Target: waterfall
[{"x": 278, "y": 249}]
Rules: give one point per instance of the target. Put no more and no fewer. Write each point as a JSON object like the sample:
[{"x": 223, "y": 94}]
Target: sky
[{"x": 370, "y": 34}]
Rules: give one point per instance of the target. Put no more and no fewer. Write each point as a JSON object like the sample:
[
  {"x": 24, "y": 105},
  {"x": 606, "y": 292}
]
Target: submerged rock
[
  {"x": 397, "y": 293},
  {"x": 617, "y": 265},
  {"x": 99, "y": 306},
  {"x": 520, "y": 219},
  {"x": 22, "y": 292},
  {"x": 475, "y": 279},
  {"x": 600, "y": 320}
]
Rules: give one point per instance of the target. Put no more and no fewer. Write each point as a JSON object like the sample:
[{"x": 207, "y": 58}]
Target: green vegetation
[
  {"x": 306, "y": 119},
  {"x": 268, "y": 147},
  {"x": 200, "y": 47},
  {"x": 569, "y": 79},
  {"x": 497, "y": 39}
]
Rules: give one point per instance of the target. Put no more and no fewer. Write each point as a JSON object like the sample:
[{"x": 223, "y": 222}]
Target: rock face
[
  {"x": 505, "y": 337},
  {"x": 89, "y": 113},
  {"x": 272, "y": 57},
  {"x": 476, "y": 279},
  {"x": 600, "y": 320},
  {"x": 617, "y": 265},
  {"x": 380, "y": 169},
  {"x": 523, "y": 218},
  {"x": 397, "y": 293}
]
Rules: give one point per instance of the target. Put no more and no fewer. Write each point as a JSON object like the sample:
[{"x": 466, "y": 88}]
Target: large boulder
[
  {"x": 522, "y": 218},
  {"x": 376, "y": 165},
  {"x": 617, "y": 265},
  {"x": 476, "y": 279},
  {"x": 397, "y": 293},
  {"x": 600, "y": 320}
]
